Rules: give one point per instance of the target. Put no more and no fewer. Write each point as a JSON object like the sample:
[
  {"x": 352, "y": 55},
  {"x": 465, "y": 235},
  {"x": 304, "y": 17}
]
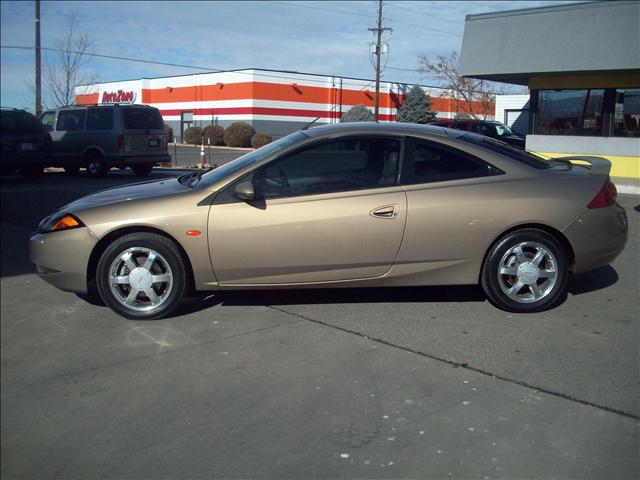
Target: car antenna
[{"x": 311, "y": 123}]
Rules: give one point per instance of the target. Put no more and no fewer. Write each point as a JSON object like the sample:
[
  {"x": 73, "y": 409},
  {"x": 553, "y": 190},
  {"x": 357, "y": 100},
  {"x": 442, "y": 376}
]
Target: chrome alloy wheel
[
  {"x": 527, "y": 272},
  {"x": 140, "y": 278}
]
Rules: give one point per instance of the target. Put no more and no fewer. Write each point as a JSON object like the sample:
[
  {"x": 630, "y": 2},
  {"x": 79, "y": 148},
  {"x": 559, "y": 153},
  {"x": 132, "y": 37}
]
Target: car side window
[
  {"x": 100, "y": 118},
  {"x": 48, "y": 119},
  {"x": 426, "y": 162},
  {"x": 70, "y": 120},
  {"x": 332, "y": 166}
]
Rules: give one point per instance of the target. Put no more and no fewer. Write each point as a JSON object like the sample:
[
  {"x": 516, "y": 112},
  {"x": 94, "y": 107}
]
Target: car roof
[{"x": 381, "y": 129}]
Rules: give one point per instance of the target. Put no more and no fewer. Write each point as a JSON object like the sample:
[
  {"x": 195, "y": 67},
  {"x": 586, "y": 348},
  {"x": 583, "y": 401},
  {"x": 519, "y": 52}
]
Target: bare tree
[
  {"x": 68, "y": 69},
  {"x": 470, "y": 90}
]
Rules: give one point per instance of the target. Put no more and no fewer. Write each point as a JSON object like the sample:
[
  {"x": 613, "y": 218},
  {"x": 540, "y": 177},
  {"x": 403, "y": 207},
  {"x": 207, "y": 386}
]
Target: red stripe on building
[{"x": 283, "y": 112}]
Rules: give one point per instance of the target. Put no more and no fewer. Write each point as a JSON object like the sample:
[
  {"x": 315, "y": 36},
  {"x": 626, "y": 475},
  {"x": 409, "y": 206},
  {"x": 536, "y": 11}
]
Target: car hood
[{"x": 128, "y": 193}]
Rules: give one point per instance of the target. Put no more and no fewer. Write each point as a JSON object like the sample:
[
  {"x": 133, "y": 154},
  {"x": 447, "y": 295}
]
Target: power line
[
  {"x": 422, "y": 27},
  {"x": 429, "y": 15},
  {"x": 194, "y": 67},
  {"x": 325, "y": 9}
]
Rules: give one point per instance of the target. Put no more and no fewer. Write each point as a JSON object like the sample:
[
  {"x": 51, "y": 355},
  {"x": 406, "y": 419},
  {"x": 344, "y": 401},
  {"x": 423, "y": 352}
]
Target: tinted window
[
  {"x": 507, "y": 150},
  {"x": 569, "y": 112},
  {"x": 15, "y": 121},
  {"x": 70, "y": 120},
  {"x": 333, "y": 166},
  {"x": 142, "y": 118},
  {"x": 48, "y": 119},
  {"x": 100, "y": 118},
  {"x": 626, "y": 114},
  {"x": 426, "y": 162}
]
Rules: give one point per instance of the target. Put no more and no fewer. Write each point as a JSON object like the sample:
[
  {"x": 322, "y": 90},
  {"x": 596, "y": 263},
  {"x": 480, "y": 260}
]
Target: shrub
[
  {"x": 168, "y": 132},
  {"x": 359, "y": 113},
  {"x": 416, "y": 107},
  {"x": 260, "y": 140},
  {"x": 215, "y": 133},
  {"x": 238, "y": 135},
  {"x": 193, "y": 136}
]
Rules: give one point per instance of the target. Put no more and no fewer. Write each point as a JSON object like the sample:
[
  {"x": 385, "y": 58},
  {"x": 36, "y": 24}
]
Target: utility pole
[
  {"x": 379, "y": 29},
  {"x": 38, "y": 73}
]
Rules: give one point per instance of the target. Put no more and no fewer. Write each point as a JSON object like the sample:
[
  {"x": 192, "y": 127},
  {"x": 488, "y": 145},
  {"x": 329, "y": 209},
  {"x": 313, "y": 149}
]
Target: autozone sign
[{"x": 118, "y": 97}]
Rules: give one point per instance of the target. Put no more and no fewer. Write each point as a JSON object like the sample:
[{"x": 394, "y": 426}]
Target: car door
[
  {"x": 452, "y": 212},
  {"x": 69, "y": 136},
  {"x": 330, "y": 212}
]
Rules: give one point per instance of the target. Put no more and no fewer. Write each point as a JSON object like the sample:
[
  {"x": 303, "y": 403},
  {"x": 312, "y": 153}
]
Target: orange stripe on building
[
  {"x": 284, "y": 93},
  {"x": 87, "y": 98}
]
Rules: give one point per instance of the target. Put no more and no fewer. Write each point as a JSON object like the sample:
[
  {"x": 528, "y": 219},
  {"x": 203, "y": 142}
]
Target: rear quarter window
[
  {"x": 507, "y": 150},
  {"x": 20, "y": 122},
  {"x": 142, "y": 119}
]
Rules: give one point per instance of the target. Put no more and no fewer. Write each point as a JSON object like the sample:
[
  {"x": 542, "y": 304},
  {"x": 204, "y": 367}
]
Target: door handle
[{"x": 386, "y": 211}]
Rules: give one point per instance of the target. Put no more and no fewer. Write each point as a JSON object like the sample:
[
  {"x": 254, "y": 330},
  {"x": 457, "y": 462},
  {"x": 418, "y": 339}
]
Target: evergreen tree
[
  {"x": 359, "y": 113},
  {"x": 416, "y": 107}
]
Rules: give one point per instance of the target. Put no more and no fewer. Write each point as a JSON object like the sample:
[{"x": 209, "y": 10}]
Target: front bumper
[
  {"x": 597, "y": 237},
  {"x": 62, "y": 258}
]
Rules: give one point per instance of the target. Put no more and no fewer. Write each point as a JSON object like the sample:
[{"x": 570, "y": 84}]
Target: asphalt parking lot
[{"x": 366, "y": 383}]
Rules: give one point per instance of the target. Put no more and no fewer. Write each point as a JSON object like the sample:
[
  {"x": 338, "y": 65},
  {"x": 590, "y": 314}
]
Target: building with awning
[{"x": 581, "y": 63}]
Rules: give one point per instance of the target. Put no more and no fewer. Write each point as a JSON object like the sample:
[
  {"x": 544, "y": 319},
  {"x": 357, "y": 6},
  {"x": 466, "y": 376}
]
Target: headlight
[{"x": 59, "y": 221}]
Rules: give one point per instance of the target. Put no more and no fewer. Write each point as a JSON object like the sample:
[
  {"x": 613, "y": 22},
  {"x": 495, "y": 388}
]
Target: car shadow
[
  {"x": 584, "y": 283},
  {"x": 319, "y": 296},
  {"x": 597, "y": 279}
]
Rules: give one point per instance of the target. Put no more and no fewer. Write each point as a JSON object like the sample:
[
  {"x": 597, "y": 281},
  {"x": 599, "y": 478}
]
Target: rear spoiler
[{"x": 597, "y": 165}]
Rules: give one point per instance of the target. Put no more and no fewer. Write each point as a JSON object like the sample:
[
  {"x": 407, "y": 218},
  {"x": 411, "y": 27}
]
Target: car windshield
[
  {"x": 502, "y": 148},
  {"x": 252, "y": 157}
]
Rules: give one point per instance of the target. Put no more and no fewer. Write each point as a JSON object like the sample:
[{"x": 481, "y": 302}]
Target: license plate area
[
  {"x": 154, "y": 142},
  {"x": 27, "y": 147}
]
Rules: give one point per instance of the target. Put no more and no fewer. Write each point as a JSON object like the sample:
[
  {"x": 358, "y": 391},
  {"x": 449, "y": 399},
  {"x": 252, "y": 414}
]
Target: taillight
[
  {"x": 606, "y": 196},
  {"x": 120, "y": 141}
]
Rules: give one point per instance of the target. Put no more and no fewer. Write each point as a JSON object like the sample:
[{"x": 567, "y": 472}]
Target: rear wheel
[
  {"x": 526, "y": 271},
  {"x": 96, "y": 166},
  {"x": 142, "y": 170},
  {"x": 142, "y": 276}
]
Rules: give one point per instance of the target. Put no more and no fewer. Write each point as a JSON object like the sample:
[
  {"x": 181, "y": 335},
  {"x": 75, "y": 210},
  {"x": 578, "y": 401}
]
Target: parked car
[
  {"x": 99, "y": 137},
  {"x": 489, "y": 128},
  {"x": 356, "y": 204},
  {"x": 26, "y": 144}
]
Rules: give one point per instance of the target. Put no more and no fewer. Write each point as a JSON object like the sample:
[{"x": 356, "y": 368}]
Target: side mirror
[{"x": 244, "y": 191}]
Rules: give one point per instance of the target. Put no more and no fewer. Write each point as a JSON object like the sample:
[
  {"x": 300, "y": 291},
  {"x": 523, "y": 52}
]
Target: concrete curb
[
  {"x": 626, "y": 186},
  {"x": 221, "y": 147}
]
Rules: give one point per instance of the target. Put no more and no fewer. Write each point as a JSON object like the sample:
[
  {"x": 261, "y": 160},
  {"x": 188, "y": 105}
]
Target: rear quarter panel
[{"x": 451, "y": 225}]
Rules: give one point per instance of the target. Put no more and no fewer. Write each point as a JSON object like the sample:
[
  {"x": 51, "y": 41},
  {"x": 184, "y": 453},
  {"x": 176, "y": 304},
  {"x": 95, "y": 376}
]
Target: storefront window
[
  {"x": 569, "y": 112},
  {"x": 626, "y": 113}
]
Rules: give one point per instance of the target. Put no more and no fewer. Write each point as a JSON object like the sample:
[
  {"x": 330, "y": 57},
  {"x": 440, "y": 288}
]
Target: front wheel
[
  {"x": 142, "y": 170},
  {"x": 96, "y": 166},
  {"x": 526, "y": 271},
  {"x": 142, "y": 276}
]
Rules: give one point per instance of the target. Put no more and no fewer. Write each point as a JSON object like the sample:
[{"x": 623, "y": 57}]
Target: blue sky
[{"x": 324, "y": 37}]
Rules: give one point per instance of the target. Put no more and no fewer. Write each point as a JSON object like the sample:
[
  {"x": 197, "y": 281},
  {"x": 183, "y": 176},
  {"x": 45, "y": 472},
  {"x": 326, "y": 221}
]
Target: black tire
[
  {"x": 142, "y": 170},
  {"x": 72, "y": 169},
  {"x": 501, "y": 288},
  {"x": 96, "y": 166},
  {"x": 32, "y": 173},
  {"x": 167, "y": 252}
]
